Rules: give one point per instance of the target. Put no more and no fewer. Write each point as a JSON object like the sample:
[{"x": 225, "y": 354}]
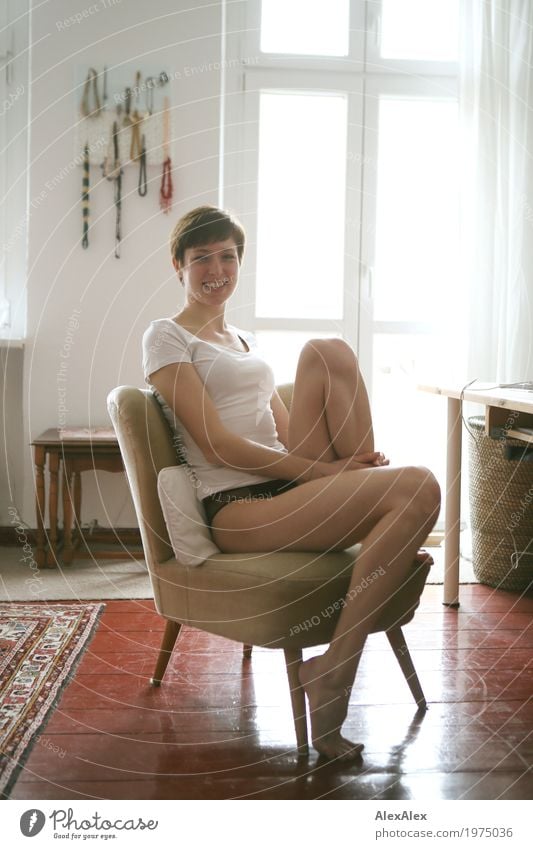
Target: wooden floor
[{"x": 220, "y": 727}]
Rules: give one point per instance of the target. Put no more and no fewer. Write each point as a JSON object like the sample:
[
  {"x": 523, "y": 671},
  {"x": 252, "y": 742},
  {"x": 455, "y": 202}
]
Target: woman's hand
[{"x": 367, "y": 460}]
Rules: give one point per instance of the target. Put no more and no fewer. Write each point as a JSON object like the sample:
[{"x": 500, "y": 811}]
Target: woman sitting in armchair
[{"x": 269, "y": 479}]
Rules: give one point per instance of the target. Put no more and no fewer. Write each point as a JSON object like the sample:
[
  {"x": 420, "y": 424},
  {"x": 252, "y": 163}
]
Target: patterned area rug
[{"x": 40, "y": 646}]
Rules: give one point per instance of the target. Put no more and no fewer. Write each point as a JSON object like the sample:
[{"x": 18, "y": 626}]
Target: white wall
[
  {"x": 11, "y": 446},
  {"x": 113, "y": 300},
  {"x": 15, "y": 38},
  {"x": 14, "y": 135}
]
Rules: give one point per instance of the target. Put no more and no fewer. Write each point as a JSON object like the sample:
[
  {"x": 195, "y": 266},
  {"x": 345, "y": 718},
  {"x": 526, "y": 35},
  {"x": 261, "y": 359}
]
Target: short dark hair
[{"x": 203, "y": 225}]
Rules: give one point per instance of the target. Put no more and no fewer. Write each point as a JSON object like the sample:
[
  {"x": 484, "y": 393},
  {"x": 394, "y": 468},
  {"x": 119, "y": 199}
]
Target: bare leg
[
  {"x": 389, "y": 510},
  {"x": 330, "y": 418},
  {"x": 330, "y": 414},
  {"x": 328, "y": 678}
]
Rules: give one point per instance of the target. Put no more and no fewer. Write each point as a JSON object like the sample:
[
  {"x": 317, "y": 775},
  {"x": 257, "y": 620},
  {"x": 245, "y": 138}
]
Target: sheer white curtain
[{"x": 497, "y": 112}]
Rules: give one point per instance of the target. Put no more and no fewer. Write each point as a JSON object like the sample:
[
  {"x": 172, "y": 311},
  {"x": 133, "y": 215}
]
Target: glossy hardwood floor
[{"x": 220, "y": 727}]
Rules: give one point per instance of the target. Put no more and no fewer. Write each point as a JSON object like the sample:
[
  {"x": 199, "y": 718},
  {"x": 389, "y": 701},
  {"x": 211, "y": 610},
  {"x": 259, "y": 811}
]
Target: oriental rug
[{"x": 40, "y": 647}]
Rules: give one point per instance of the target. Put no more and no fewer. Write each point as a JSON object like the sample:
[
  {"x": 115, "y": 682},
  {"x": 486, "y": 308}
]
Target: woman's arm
[{"x": 184, "y": 392}]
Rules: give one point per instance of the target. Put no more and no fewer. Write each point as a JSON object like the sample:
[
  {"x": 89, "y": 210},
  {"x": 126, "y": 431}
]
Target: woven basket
[{"x": 501, "y": 511}]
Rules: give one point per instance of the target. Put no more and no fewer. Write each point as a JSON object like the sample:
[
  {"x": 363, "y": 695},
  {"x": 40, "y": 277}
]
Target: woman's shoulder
[{"x": 165, "y": 326}]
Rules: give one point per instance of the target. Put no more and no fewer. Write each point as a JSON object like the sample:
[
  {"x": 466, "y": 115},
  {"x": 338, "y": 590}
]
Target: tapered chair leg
[
  {"x": 399, "y": 647},
  {"x": 167, "y": 644},
  {"x": 293, "y": 659},
  {"x": 247, "y": 651}
]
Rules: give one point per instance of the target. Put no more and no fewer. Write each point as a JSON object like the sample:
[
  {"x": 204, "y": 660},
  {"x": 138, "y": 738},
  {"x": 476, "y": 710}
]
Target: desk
[
  {"x": 500, "y": 404},
  {"x": 69, "y": 452}
]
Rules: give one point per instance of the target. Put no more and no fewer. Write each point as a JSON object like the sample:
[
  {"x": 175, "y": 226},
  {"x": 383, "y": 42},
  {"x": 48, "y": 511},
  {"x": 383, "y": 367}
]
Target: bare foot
[{"x": 328, "y": 708}]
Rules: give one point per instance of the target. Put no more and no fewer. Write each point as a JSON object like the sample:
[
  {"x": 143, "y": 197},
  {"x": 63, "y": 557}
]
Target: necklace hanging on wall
[
  {"x": 136, "y": 121},
  {"x": 85, "y": 197},
  {"x": 86, "y": 109},
  {"x": 137, "y": 129},
  {"x": 166, "y": 191},
  {"x": 115, "y": 174},
  {"x": 126, "y": 121},
  {"x": 118, "y": 193},
  {"x": 143, "y": 185}
]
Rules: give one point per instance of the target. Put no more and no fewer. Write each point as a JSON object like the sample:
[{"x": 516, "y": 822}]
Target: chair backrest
[
  {"x": 145, "y": 441},
  {"x": 285, "y": 393},
  {"x": 146, "y": 445}
]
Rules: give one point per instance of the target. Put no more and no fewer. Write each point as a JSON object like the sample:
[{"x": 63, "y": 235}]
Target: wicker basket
[{"x": 501, "y": 511}]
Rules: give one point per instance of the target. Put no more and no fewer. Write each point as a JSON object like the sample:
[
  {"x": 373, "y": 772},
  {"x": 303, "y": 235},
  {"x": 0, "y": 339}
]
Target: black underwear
[{"x": 254, "y": 492}]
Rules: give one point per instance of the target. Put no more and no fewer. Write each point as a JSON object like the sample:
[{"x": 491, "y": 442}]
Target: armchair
[{"x": 263, "y": 599}]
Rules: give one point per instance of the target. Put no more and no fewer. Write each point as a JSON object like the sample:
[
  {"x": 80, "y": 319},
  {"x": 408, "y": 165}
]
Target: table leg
[
  {"x": 452, "y": 521},
  {"x": 40, "y": 504},
  {"x": 68, "y": 549},
  {"x": 54, "y": 468},
  {"x": 77, "y": 502}
]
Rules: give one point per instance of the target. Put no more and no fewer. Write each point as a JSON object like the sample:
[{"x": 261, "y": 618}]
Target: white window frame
[
  {"x": 376, "y": 64},
  {"x": 417, "y": 87},
  {"x": 363, "y": 75}
]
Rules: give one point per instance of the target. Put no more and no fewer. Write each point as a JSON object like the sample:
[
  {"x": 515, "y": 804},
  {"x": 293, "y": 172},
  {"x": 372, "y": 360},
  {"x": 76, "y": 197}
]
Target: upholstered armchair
[{"x": 260, "y": 599}]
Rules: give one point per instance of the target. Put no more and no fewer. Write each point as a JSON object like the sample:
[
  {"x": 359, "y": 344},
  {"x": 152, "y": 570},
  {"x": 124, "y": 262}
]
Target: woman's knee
[
  {"x": 335, "y": 355},
  {"x": 422, "y": 491}
]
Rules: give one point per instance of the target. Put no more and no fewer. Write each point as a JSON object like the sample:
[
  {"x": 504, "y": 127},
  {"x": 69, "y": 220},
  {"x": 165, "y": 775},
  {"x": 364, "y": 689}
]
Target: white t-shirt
[{"x": 240, "y": 384}]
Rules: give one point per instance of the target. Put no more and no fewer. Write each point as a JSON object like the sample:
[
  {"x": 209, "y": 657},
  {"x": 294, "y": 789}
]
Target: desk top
[
  {"x": 80, "y": 436},
  {"x": 489, "y": 394}
]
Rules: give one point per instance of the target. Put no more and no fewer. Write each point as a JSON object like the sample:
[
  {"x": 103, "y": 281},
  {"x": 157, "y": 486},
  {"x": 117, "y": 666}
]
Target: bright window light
[
  {"x": 420, "y": 29},
  {"x": 301, "y": 205},
  {"x": 281, "y": 349},
  {"x": 417, "y": 224},
  {"x": 400, "y": 363},
  {"x": 311, "y": 27}
]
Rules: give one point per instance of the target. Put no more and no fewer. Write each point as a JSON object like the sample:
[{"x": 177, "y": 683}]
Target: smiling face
[{"x": 210, "y": 272}]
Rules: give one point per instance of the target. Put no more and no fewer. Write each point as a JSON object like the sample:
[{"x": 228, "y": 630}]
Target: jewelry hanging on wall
[
  {"x": 103, "y": 134},
  {"x": 118, "y": 218},
  {"x": 127, "y": 105},
  {"x": 150, "y": 84},
  {"x": 85, "y": 198},
  {"x": 104, "y": 94},
  {"x": 136, "y": 121},
  {"x": 115, "y": 174},
  {"x": 85, "y": 108},
  {"x": 166, "y": 191},
  {"x": 143, "y": 185}
]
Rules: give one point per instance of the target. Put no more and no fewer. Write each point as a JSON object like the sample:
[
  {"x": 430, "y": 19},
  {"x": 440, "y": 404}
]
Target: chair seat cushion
[
  {"x": 279, "y": 600},
  {"x": 184, "y": 516}
]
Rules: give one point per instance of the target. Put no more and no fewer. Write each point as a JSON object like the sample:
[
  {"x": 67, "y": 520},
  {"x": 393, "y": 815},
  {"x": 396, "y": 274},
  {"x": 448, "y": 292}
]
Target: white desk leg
[{"x": 452, "y": 521}]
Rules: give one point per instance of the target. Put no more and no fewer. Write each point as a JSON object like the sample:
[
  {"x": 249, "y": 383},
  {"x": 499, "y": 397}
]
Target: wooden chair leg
[
  {"x": 399, "y": 647},
  {"x": 247, "y": 651},
  {"x": 293, "y": 658},
  {"x": 168, "y": 642}
]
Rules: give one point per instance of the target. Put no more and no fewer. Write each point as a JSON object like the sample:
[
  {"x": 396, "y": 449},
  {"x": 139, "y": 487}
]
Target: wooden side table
[{"x": 71, "y": 451}]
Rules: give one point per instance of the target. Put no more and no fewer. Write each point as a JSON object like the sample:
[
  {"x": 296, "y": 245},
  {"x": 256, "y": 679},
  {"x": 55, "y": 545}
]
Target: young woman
[{"x": 273, "y": 480}]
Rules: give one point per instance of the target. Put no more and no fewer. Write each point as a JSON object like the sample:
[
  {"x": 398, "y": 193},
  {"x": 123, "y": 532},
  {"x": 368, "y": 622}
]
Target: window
[
  {"x": 343, "y": 165},
  {"x": 296, "y": 276},
  {"x": 281, "y": 348},
  {"x": 417, "y": 167},
  {"x": 420, "y": 29},
  {"x": 325, "y": 33}
]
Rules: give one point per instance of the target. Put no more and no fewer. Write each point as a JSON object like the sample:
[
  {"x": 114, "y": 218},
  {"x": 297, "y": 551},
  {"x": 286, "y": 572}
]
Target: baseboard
[{"x": 112, "y": 536}]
